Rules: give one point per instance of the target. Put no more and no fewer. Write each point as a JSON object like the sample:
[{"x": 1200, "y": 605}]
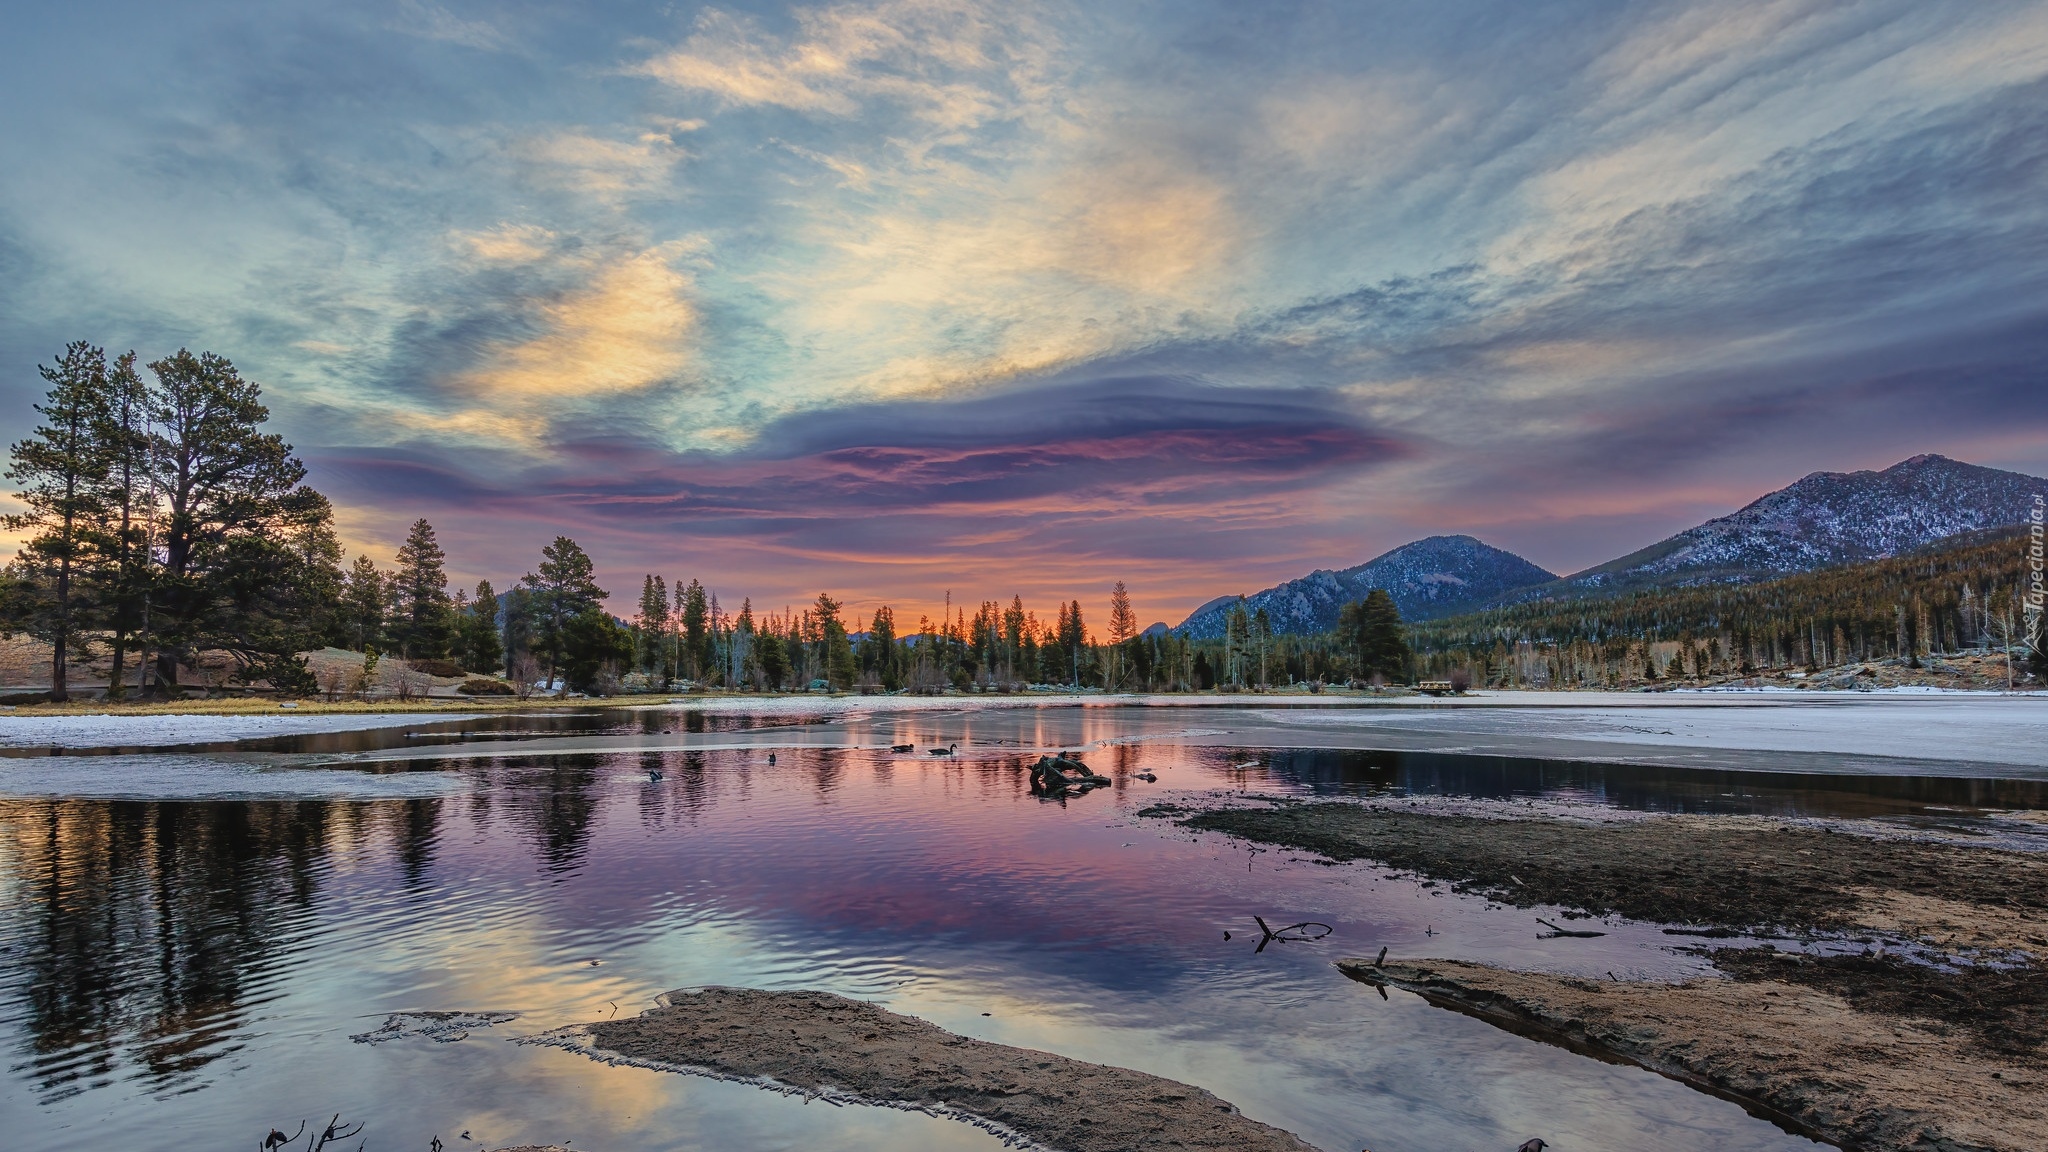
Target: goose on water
[
  {"x": 946, "y": 751},
  {"x": 902, "y": 748}
]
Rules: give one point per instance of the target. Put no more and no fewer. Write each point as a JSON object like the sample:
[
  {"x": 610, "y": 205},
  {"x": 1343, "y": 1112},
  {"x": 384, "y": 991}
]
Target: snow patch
[
  {"x": 108, "y": 730},
  {"x": 159, "y": 777}
]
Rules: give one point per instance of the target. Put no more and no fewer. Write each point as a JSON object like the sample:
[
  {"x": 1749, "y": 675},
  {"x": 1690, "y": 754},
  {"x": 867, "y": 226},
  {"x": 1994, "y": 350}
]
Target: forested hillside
[{"x": 1960, "y": 594}]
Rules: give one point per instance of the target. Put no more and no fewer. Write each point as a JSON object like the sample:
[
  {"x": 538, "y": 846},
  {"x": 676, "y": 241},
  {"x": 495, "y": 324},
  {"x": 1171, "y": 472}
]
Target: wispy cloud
[
  {"x": 909, "y": 257},
  {"x": 434, "y": 22}
]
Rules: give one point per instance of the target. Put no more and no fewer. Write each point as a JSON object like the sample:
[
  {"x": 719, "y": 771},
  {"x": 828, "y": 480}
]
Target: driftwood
[
  {"x": 1556, "y": 932},
  {"x": 1054, "y": 775}
]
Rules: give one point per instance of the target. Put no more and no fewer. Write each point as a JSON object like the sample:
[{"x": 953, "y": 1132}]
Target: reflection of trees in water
[
  {"x": 151, "y": 929},
  {"x": 416, "y": 827},
  {"x": 827, "y": 766},
  {"x": 1634, "y": 786},
  {"x": 683, "y": 786},
  {"x": 558, "y": 802}
]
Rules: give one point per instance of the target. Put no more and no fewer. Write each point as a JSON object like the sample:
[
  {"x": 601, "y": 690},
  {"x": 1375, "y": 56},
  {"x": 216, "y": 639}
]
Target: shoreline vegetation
[
  {"x": 1909, "y": 1009},
  {"x": 259, "y": 702}
]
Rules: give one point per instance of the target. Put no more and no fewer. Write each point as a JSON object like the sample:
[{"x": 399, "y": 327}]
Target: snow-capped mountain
[
  {"x": 1830, "y": 518},
  {"x": 1432, "y": 577}
]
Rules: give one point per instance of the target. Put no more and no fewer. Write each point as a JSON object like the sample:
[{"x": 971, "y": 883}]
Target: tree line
[
  {"x": 162, "y": 523},
  {"x": 1961, "y": 594}
]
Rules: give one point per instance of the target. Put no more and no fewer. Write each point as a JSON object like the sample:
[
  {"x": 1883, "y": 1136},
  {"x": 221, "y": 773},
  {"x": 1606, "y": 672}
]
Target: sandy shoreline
[
  {"x": 1919, "y": 1022},
  {"x": 818, "y": 1043}
]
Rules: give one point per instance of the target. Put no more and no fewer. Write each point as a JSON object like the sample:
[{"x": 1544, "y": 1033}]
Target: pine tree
[
  {"x": 773, "y": 655},
  {"x": 362, "y": 599},
  {"x": 743, "y": 643},
  {"x": 694, "y": 623},
  {"x": 651, "y": 627},
  {"x": 125, "y": 578},
  {"x": 835, "y": 656},
  {"x": 420, "y": 585},
  {"x": 1372, "y": 632},
  {"x": 313, "y": 583},
  {"x": 482, "y": 650},
  {"x": 1123, "y": 626},
  {"x": 229, "y": 492},
  {"x": 517, "y": 632},
  {"x": 564, "y": 589},
  {"x": 62, "y": 469},
  {"x": 879, "y": 653}
]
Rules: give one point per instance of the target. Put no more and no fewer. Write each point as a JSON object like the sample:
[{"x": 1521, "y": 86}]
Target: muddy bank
[
  {"x": 816, "y": 1042},
  {"x": 1926, "y": 1030},
  {"x": 1797, "y": 1054},
  {"x": 1706, "y": 871}
]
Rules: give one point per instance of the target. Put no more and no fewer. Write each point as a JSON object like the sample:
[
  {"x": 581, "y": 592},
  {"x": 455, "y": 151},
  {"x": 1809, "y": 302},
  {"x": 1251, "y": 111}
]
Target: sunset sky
[{"x": 894, "y": 298}]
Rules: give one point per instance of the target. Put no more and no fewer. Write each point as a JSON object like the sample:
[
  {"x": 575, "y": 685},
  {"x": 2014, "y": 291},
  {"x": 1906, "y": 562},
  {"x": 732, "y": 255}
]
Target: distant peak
[{"x": 1920, "y": 461}]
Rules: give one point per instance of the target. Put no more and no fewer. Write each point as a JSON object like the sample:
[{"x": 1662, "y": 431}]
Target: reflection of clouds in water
[
  {"x": 159, "y": 777},
  {"x": 936, "y": 886}
]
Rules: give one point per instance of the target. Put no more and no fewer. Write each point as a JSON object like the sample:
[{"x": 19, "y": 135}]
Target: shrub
[
  {"x": 291, "y": 676},
  {"x": 478, "y": 686},
  {"x": 440, "y": 668}
]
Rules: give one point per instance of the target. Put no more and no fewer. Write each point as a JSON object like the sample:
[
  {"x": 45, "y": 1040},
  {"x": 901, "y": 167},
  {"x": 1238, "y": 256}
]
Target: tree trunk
[
  {"x": 59, "y": 664},
  {"x": 60, "y": 657},
  {"x": 115, "y": 688}
]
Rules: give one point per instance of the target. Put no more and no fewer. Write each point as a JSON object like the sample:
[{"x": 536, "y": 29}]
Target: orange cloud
[{"x": 629, "y": 329}]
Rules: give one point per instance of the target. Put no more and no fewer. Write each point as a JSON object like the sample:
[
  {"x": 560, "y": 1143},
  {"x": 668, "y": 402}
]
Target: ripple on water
[{"x": 183, "y": 972}]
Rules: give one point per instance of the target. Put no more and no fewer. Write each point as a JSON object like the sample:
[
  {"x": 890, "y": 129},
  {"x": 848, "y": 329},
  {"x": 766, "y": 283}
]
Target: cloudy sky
[{"x": 901, "y": 297}]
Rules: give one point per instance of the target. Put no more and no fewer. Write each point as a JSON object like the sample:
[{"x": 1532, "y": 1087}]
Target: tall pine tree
[
  {"x": 231, "y": 494},
  {"x": 564, "y": 588},
  {"x": 125, "y": 578},
  {"x": 693, "y": 622},
  {"x": 420, "y": 593},
  {"x": 362, "y": 605},
  {"x": 482, "y": 650},
  {"x": 61, "y": 469},
  {"x": 651, "y": 627},
  {"x": 1371, "y": 630}
]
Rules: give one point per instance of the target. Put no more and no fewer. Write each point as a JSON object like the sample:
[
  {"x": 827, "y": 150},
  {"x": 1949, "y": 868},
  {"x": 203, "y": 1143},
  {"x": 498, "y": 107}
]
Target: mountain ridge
[
  {"x": 1434, "y": 576},
  {"x": 1821, "y": 520},
  {"x": 1828, "y": 518}
]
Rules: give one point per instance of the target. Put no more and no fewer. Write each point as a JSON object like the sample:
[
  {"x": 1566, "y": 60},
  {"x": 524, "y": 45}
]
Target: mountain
[
  {"x": 1429, "y": 578},
  {"x": 1826, "y": 519}
]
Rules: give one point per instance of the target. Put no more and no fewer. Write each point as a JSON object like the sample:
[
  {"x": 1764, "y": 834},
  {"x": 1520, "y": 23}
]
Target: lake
[{"x": 191, "y": 935}]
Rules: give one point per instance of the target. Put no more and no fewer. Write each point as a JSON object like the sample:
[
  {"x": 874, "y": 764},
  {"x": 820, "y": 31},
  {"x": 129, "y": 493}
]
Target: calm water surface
[{"x": 187, "y": 973}]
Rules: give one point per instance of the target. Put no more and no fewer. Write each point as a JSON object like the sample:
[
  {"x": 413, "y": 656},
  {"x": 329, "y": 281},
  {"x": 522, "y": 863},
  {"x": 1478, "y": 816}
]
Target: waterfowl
[
  {"x": 900, "y": 748},
  {"x": 946, "y": 751}
]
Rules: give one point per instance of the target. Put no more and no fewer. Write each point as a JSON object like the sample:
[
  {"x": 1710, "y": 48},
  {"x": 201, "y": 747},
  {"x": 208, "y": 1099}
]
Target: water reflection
[
  {"x": 1640, "y": 787},
  {"x": 233, "y": 946},
  {"x": 154, "y": 929}
]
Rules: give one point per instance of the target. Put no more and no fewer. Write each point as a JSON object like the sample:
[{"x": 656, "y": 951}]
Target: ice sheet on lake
[
  {"x": 1987, "y": 730},
  {"x": 160, "y": 777},
  {"x": 161, "y": 731}
]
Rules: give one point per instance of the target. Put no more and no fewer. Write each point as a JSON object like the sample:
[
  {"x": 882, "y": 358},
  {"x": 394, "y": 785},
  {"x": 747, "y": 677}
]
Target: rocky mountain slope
[
  {"x": 1830, "y": 518},
  {"x": 1432, "y": 577},
  {"x": 1825, "y": 519}
]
